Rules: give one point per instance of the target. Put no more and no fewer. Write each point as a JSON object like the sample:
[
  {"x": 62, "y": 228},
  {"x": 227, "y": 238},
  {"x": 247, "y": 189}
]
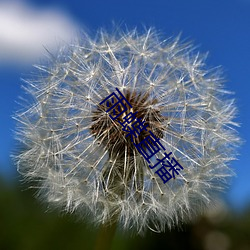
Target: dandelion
[{"x": 82, "y": 160}]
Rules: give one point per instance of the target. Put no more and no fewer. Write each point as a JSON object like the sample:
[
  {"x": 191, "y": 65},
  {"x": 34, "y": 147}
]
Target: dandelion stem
[{"x": 105, "y": 236}]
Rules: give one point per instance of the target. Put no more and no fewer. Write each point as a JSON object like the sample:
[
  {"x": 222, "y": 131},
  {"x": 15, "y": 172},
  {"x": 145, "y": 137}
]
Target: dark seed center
[{"x": 116, "y": 135}]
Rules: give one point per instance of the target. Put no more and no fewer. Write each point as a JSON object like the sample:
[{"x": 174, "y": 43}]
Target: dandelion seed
[{"x": 83, "y": 160}]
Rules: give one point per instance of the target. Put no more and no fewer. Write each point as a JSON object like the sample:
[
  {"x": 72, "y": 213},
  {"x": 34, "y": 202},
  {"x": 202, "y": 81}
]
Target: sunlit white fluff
[{"x": 68, "y": 161}]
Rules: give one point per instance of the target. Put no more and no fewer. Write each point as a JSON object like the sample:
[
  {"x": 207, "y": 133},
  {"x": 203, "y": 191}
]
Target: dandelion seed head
[{"x": 82, "y": 160}]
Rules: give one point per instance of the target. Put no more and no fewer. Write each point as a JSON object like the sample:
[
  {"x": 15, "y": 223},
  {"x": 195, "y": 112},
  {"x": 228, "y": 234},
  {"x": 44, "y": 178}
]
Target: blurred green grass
[{"x": 25, "y": 225}]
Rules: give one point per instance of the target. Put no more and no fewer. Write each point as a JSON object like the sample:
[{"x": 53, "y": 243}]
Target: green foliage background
[{"x": 26, "y": 225}]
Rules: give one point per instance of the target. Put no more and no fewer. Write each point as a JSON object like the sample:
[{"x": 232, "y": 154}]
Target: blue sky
[{"x": 221, "y": 27}]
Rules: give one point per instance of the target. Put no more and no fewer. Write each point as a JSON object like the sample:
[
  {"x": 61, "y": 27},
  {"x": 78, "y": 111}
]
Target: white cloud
[{"x": 25, "y": 31}]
